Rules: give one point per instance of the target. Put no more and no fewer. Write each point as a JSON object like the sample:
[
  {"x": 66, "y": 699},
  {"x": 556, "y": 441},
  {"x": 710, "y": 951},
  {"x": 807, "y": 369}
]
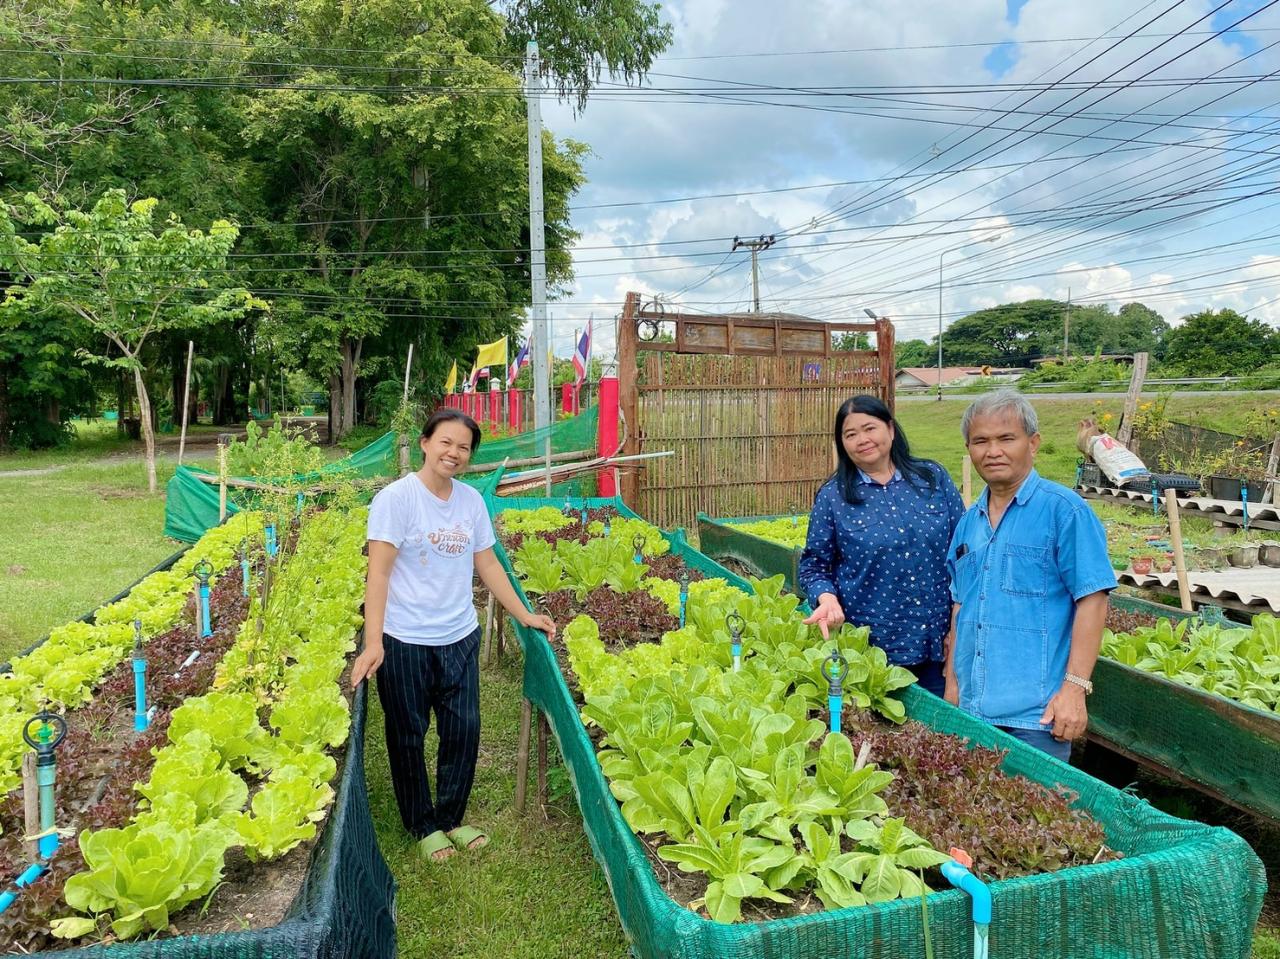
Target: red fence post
[
  {"x": 513, "y": 410},
  {"x": 607, "y": 434},
  {"x": 495, "y": 410}
]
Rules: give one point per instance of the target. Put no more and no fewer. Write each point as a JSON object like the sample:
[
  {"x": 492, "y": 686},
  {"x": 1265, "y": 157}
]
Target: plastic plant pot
[
  {"x": 1165, "y": 564},
  {"x": 1244, "y": 556},
  {"x": 1142, "y": 565}
]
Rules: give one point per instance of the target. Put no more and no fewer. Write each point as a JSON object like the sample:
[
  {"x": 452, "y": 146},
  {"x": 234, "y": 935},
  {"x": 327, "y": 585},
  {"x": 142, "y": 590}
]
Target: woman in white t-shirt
[{"x": 428, "y": 535}]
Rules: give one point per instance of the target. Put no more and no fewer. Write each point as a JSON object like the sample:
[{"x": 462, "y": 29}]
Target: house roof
[{"x": 929, "y": 374}]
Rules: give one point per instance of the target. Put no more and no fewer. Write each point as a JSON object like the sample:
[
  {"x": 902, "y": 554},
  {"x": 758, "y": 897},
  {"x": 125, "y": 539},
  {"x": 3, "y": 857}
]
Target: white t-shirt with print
[{"x": 429, "y": 596}]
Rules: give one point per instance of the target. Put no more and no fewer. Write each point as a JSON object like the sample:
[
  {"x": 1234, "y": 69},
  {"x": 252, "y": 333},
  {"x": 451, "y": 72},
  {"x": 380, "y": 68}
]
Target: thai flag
[
  {"x": 582, "y": 355},
  {"x": 521, "y": 361},
  {"x": 474, "y": 382}
]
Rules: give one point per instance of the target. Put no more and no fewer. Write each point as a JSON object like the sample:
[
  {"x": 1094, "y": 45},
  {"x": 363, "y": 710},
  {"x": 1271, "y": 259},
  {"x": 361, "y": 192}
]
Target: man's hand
[
  {"x": 538, "y": 621},
  {"x": 366, "y": 663},
  {"x": 1067, "y": 712},
  {"x": 952, "y": 691},
  {"x": 827, "y": 616}
]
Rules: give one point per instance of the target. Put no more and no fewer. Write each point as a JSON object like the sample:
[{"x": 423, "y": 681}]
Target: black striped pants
[{"x": 413, "y": 682}]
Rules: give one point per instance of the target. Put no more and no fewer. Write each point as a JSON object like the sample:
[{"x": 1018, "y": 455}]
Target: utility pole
[
  {"x": 755, "y": 246},
  {"x": 1066, "y": 330},
  {"x": 537, "y": 244}
]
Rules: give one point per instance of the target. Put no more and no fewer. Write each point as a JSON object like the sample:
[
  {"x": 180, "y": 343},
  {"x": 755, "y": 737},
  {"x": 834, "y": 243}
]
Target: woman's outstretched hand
[{"x": 827, "y": 616}]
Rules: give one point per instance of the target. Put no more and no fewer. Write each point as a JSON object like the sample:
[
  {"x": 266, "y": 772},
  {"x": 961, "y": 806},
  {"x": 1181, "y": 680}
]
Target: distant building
[
  {"x": 926, "y": 377},
  {"x": 1105, "y": 357}
]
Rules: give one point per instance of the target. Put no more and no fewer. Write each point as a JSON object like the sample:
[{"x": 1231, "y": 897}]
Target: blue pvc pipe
[
  {"x": 270, "y": 532},
  {"x": 684, "y": 599},
  {"x": 244, "y": 576},
  {"x": 205, "y": 630},
  {"x": 606, "y": 526},
  {"x": 835, "y": 704},
  {"x": 965, "y": 881},
  {"x": 140, "y": 716},
  {"x": 1244, "y": 502},
  {"x": 736, "y": 649},
  {"x": 28, "y": 876}
]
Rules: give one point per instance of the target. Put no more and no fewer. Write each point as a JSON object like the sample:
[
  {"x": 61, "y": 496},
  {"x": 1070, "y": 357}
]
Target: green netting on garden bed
[
  {"x": 1183, "y": 889},
  {"x": 191, "y": 504},
  {"x": 1225, "y": 747},
  {"x": 722, "y": 539}
]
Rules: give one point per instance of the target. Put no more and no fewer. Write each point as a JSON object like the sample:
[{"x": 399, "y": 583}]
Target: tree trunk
[
  {"x": 121, "y": 411},
  {"x": 148, "y": 434},
  {"x": 225, "y": 402},
  {"x": 349, "y": 363},
  {"x": 334, "y": 399}
]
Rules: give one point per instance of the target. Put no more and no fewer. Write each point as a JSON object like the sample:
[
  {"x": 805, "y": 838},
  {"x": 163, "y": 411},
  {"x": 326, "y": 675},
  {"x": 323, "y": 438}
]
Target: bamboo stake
[
  {"x": 30, "y": 805},
  {"x": 186, "y": 402},
  {"x": 522, "y": 754},
  {"x": 1179, "y": 560},
  {"x": 502, "y": 632},
  {"x": 222, "y": 482},
  {"x": 967, "y": 480}
]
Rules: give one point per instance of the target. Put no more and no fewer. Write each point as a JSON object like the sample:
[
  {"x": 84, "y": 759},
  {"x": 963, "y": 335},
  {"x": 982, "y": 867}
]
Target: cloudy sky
[{"x": 1120, "y": 150}]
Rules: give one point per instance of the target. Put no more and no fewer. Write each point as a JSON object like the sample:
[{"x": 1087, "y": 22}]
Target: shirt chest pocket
[{"x": 1026, "y": 570}]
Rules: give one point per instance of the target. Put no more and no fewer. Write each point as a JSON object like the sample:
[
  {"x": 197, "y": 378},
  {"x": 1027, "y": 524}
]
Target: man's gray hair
[{"x": 1005, "y": 400}]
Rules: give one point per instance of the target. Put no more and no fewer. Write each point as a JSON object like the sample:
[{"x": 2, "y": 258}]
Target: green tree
[
  {"x": 1011, "y": 334},
  {"x": 915, "y": 353},
  {"x": 110, "y": 269},
  {"x": 1220, "y": 343}
]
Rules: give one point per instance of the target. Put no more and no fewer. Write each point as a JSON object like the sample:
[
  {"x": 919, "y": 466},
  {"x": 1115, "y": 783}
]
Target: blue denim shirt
[
  {"x": 885, "y": 560},
  {"x": 1017, "y": 588}
]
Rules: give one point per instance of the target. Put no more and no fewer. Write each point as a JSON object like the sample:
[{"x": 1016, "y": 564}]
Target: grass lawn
[
  {"x": 934, "y": 428},
  {"x": 71, "y": 539}
]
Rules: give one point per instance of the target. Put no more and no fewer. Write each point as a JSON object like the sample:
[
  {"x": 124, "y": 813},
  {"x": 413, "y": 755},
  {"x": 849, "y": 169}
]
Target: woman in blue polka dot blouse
[{"x": 878, "y": 537}]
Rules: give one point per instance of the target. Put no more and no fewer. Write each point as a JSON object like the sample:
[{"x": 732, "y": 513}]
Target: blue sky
[{"x": 1124, "y": 175}]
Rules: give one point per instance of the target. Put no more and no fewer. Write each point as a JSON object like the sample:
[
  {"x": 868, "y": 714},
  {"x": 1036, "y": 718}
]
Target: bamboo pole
[
  {"x": 1179, "y": 560},
  {"x": 222, "y": 482},
  {"x": 522, "y": 754},
  {"x": 186, "y": 402}
]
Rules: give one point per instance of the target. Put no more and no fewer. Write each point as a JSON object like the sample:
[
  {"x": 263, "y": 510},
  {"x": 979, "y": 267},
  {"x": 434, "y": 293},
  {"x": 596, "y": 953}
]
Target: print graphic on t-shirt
[{"x": 451, "y": 542}]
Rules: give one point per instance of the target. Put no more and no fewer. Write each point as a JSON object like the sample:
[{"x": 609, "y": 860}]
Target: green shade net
[
  {"x": 1183, "y": 889},
  {"x": 191, "y": 504}
]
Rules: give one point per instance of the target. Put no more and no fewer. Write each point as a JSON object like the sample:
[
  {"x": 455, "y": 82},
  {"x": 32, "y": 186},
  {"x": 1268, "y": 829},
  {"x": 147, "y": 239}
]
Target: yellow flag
[
  {"x": 491, "y": 354},
  {"x": 452, "y": 381}
]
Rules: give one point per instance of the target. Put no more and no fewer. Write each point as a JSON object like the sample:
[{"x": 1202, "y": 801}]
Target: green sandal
[
  {"x": 467, "y": 838},
  {"x": 437, "y": 842}
]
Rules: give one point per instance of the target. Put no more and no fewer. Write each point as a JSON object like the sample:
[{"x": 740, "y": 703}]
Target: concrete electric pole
[{"x": 755, "y": 246}]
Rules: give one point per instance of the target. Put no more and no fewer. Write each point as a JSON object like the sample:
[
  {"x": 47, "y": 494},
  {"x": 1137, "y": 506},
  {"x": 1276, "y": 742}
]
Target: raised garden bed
[
  {"x": 1140, "y": 706},
  {"x": 762, "y": 546},
  {"x": 1181, "y": 888},
  {"x": 234, "y": 843}
]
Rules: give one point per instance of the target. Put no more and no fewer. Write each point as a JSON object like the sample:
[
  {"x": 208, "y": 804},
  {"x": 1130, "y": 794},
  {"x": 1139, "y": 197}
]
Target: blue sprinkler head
[{"x": 637, "y": 543}]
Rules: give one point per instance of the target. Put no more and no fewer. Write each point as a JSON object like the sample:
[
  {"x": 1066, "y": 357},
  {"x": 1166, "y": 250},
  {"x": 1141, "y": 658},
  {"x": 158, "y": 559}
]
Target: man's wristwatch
[{"x": 1081, "y": 682}]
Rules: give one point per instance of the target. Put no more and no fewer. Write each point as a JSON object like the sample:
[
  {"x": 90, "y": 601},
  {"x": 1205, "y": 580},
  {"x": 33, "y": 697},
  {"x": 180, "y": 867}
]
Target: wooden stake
[
  {"x": 966, "y": 490},
  {"x": 487, "y": 643},
  {"x": 1273, "y": 468},
  {"x": 1179, "y": 560},
  {"x": 30, "y": 805},
  {"x": 1125, "y": 436},
  {"x": 522, "y": 754},
  {"x": 186, "y": 402},
  {"x": 543, "y": 731},
  {"x": 502, "y": 632}
]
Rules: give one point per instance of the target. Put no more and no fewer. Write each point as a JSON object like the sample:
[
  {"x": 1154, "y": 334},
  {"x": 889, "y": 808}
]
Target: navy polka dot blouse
[{"x": 885, "y": 560}]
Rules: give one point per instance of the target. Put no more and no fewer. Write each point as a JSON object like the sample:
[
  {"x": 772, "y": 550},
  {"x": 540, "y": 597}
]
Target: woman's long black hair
[{"x": 913, "y": 470}]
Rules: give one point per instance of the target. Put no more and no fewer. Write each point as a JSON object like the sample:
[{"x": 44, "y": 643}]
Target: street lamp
[{"x": 985, "y": 239}]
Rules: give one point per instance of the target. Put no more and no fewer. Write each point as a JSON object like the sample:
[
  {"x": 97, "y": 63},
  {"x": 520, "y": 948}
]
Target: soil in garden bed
[{"x": 1122, "y": 621}]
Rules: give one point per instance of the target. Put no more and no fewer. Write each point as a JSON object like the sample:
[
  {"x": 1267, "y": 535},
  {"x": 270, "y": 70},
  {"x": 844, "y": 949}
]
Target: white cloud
[{"x": 877, "y": 244}]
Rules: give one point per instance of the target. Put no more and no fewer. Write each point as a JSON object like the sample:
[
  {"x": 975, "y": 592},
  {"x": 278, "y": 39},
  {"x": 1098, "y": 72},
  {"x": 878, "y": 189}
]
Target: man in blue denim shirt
[{"x": 1029, "y": 583}]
